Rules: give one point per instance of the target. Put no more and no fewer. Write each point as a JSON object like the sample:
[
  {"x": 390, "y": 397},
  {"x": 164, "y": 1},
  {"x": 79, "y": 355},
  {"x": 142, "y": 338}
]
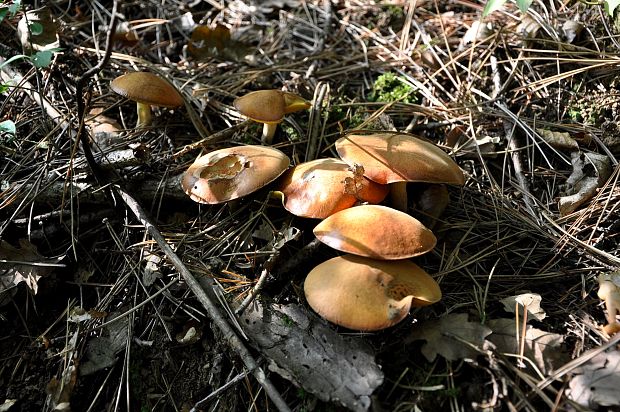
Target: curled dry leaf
[
  {"x": 543, "y": 348},
  {"x": 595, "y": 384},
  {"x": 452, "y": 336},
  {"x": 23, "y": 264},
  {"x": 38, "y": 31},
  {"x": 558, "y": 140},
  {"x": 590, "y": 171}
]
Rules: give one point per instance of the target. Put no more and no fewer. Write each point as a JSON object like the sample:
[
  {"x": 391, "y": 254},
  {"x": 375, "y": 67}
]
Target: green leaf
[
  {"x": 3, "y": 12},
  {"x": 36, "y": 28},
  {"x": 491, "y": 6},
  {"x": 4, "y": 87},
  {"x": 524, "y": 5},
  {"x": 12, "y": 59},
  {"x": 610, "y": 6},
  {"x": 42, "y": 58},
  {"x": 14, "y": 8},
  {"x": 8, "y": 126}
]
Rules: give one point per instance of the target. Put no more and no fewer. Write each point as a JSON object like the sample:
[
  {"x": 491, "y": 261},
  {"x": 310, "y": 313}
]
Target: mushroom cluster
[{"x": 374, "y": 285}]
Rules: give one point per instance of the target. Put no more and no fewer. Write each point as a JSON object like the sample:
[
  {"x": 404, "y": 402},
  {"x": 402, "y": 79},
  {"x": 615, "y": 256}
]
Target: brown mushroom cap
[
  {"x": 375, "y": 231},
  {"x": 147, "y": 88},
  {"x": 366, "y": 294},
  {"x": 269, "y": 106},
  {"x": 390, "y": 157},
  {"x": 230, "y": 173},
  {"x": 323, "y": 187}
]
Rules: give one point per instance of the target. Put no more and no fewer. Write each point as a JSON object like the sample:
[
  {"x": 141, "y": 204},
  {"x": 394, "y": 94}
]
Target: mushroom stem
[
  {"x": 269, "y": 130},
  {"x": 398, "y": 195},
  {"x": 144, "y": 115}
]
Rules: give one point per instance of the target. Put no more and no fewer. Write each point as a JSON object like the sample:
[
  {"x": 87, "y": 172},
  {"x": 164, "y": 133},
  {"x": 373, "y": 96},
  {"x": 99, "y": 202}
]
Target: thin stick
[{"x": 214, "y": 313}]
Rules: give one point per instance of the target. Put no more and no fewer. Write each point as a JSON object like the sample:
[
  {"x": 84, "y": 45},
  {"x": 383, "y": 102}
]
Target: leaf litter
[{"x": 504, "y": 233}]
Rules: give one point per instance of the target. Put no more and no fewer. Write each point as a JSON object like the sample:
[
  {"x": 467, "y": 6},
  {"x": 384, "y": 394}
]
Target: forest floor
[{"x": 95, "y": 312}]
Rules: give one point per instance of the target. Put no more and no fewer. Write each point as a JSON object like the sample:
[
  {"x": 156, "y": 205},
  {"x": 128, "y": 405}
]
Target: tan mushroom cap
[
  {"x": 322, "y": 187},
  {"x": 390, "y": 157},
  {"x": 147, "y": 88},
  {"x": 377, "y": 232},
  {"x": 230, "y": 173},
  {"x": 366, "y": 294},
  {"x": 269, "y": 106}
]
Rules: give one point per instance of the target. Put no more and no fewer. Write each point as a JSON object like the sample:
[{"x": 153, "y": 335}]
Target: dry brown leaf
[
  {"x": 590, "y": 171},
  {"x": 558, "y": 140},
  {"x": 452, "y": 337},
  {"x": 23, "y": 264},
  {"x": 595, "y": 384},
  {"x": 543, "y": 348}
]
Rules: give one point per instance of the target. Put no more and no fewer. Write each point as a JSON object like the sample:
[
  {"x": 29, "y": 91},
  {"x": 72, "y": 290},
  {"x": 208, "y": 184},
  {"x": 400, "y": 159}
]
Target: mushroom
[
  {"x": 610, "y": 293},
  {"x": 269, "y": 107},
  {"x": 233, "y": 172},
  {"x": 146, "y": 89},
  {"x": 321, "y": 187},
  {"x": 397, "y": 158},
  {"x": 367, "y": 294},
  {"x": 377, "y": 232}
]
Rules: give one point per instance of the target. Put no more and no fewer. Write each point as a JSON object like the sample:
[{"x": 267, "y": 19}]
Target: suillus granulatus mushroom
[
  {"x": 233, "y": 172},
  {"x": 397, "y": 158},
  {"x": 269, "y": 107},
  {"x": 609, "y": 292},
  {"x": 146, "y": 89},
  {"x": 377, "y": 232},
  {"x": 322, "y": 187},
  {"x": 367, "y": 294}
]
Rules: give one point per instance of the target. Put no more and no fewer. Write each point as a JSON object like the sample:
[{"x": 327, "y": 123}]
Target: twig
[
  {"x": 214, "y": 313},
  {"x": 258, "y": 286},
  {"x": 315, "y": 129}
]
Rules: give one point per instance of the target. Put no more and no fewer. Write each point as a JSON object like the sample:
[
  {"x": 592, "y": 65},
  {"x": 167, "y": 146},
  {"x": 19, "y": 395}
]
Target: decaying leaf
[
  {"x": 595, "y": 384},
  {"x": 558, "y": 140},
  {"x": 476, "y": 33},
  {"x": 23, "y": 264},
  {"x": 529, "y": 300},
  {"x": 101, "y": 351},
  {"x": 353, "y": 185},
  {"x": 590, "y": 171},
  {"x": 216, "y": 42},
  {"x": 528, "y": 27},
  {"x": 543, "y": 348},
  {"x": 37, "y": 31},
  {"x": 452, "y": 337},
  {"x": 151, "y": 268},
  {"x": 571, "y": 30}
]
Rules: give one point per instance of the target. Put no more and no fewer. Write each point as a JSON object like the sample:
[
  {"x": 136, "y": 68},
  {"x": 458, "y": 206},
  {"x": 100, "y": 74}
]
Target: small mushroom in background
[
  {"x": 610, "y": 293},
  {"x": 397, "y": 158},
  {"x": 146, "y": 89},
  {"x": 320, "y": 188},
  {"x": 377, "y": 232},
  {"x": 233, "y": 172},
  {"x": 269, "y": 107},
  {"x": 367, "y": 294}
]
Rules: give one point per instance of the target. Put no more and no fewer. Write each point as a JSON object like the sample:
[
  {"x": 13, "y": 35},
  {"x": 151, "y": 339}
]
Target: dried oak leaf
[
  {"x": 23, "y": 264},
  {"x": 453, "y": 337},
  {"x": 595, "y": 384},
  {"x": 590, "y": 171},
  {"x": 543, "y": 348}
]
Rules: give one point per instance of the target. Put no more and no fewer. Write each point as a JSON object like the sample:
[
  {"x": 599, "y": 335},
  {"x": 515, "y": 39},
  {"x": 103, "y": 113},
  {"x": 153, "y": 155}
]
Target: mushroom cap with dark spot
[
  {"x": 233, "y": 172},
  {"x": 367, "y": 294},
  {"x": 389, "y": 157}
]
